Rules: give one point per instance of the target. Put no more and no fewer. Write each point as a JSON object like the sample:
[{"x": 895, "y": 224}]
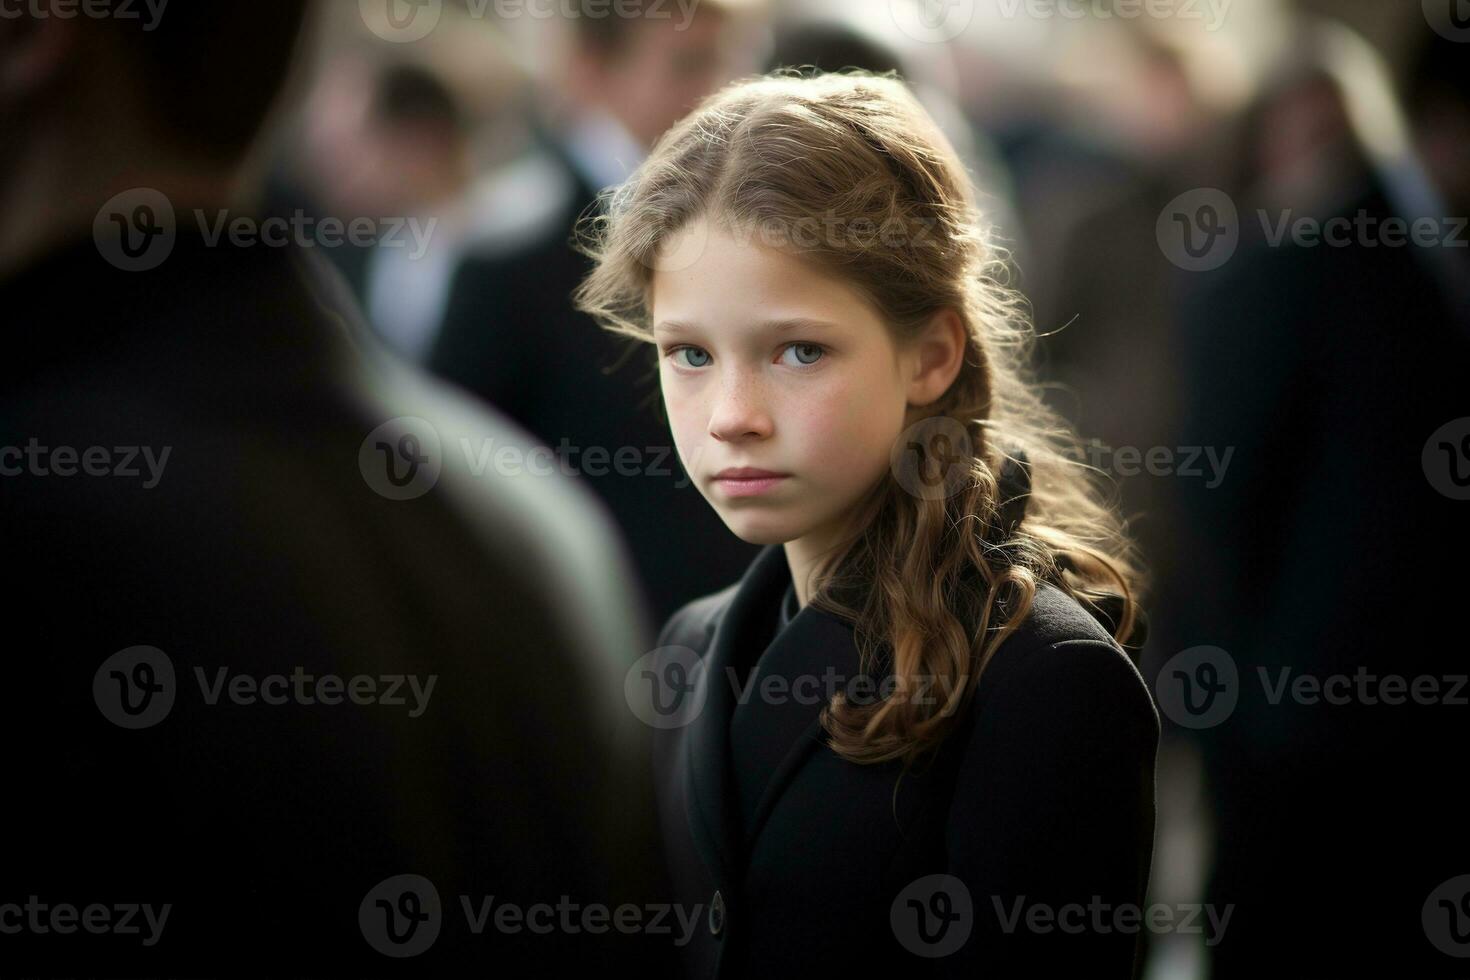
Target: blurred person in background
[
  {"x": 424, "y": 136},
  {"x": 387, "y": 142},
  {"x": 1329, "y": 363},
  {"x": 834, "y": 39},
  {"x": 273, "y": 646},
  {"x": 510, "y": 332}
]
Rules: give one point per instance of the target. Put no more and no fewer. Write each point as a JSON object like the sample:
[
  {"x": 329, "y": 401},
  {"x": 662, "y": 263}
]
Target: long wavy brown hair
[{"x": 933, "y": 583}]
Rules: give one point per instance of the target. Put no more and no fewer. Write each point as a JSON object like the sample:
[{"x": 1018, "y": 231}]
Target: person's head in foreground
[{"x": 807, "y": 257}]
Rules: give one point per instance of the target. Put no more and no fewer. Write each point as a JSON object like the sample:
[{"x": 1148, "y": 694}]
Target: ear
[
  {"x": 33, "y": 52},
  {"x": 933, "y": 359}
]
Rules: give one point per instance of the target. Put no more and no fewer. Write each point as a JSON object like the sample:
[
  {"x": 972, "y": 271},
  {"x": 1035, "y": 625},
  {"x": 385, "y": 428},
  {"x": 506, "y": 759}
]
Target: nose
[{"x": 739, "y": 411}]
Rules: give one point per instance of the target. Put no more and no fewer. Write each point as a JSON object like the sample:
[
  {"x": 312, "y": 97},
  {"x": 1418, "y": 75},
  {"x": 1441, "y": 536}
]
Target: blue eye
[
  {"x": 693, "y": 351},
  {"x": 805, "y": 351}
]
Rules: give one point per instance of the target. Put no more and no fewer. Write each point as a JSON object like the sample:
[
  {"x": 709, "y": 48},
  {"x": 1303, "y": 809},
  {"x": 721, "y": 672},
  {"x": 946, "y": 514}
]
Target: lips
[
  {"x": 747, "y": 473},
  {"x": 746, "y": 481}
]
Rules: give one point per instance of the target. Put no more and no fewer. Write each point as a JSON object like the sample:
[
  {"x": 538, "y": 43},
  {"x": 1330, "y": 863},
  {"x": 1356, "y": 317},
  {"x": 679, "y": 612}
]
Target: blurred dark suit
[
  {"x": 1328, "y": 368},
  {"x": 512, "y": 336},
  {"x": 262, "y": 549}
]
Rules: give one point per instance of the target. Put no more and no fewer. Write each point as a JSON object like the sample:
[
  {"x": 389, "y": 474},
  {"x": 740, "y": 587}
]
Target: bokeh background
[{"x": 1284, "y": 412}]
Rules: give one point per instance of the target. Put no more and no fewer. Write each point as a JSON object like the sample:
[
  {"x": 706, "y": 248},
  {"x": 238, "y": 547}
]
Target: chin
[{"x": 760, "y": 529}]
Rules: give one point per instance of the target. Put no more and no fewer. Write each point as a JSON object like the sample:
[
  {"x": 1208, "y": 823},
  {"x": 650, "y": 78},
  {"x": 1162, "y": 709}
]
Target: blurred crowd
[
  {"x": 1242, "y": 231},
  {"x": 1261, "y": 396}
]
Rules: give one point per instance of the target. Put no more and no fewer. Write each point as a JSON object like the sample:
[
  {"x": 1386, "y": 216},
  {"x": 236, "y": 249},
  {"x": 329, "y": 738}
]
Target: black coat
[
  {"x": 262, "y": 549},
  {"x": 1044, "y": 795}
]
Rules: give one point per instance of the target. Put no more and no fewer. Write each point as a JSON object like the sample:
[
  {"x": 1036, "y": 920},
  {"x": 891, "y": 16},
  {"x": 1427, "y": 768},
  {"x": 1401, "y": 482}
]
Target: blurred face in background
[
  {"x": 821, "y": 401},
  {"x": 659, "y": 70}
]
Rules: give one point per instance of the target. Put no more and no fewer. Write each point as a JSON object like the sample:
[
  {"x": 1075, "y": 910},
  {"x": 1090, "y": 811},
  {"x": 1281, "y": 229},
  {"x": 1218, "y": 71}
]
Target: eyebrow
[{"x": 774, "y": 326}]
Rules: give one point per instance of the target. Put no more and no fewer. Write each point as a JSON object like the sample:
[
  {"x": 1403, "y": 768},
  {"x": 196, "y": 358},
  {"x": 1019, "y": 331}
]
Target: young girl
[{"x": 910, "y": 737}]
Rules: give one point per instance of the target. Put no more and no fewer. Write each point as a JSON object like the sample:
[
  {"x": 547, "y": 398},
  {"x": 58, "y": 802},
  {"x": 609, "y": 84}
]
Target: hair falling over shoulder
[{"x": 936, "y": 583}]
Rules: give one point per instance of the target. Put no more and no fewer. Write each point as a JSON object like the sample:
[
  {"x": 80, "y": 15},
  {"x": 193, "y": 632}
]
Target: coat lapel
[
  {"x": 814, "y": 645},
  {"x": 814, "y": 657},
  {"x": 712, "y": 817}
]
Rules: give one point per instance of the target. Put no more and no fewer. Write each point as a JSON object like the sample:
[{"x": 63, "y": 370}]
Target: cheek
[
  {"x": 683, "y": 411},
  {"x": 846, "y": 434}
]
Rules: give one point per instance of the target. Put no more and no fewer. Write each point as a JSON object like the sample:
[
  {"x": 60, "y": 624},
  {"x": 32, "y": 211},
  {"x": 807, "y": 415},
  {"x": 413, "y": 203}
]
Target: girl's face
[{"x": 767, "y": 363}]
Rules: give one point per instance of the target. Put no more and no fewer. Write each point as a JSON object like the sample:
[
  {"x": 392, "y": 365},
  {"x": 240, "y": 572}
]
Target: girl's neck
[{"x": 804, "y": 555}]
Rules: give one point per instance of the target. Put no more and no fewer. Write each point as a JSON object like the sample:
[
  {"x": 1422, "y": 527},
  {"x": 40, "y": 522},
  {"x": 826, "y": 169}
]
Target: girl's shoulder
[
  {"x": 1056, "y": 616},
  {"x": 1062, "y": 661}
]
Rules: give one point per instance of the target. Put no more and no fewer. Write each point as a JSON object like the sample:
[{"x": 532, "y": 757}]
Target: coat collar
[{"x": 814, "y": 638}]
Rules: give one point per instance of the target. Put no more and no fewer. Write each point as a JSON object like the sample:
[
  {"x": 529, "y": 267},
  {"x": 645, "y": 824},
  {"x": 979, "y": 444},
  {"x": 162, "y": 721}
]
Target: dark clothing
[
  {"x": 800, "y": 860},
  {"x": 789, "y": 607},
  {"x": 512, "y": 336},
  {"x": 264, "y": 548},
  {"x": 762, "y": 755},
  {"x": 1328, "y": 369}
]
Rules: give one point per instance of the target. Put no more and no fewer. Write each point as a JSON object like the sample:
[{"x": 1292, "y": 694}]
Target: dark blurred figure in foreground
[
  {"x": 1329, "y": 364},
  {"x": 512, "y": 336},
  {"x": 271, "y": 646}
]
